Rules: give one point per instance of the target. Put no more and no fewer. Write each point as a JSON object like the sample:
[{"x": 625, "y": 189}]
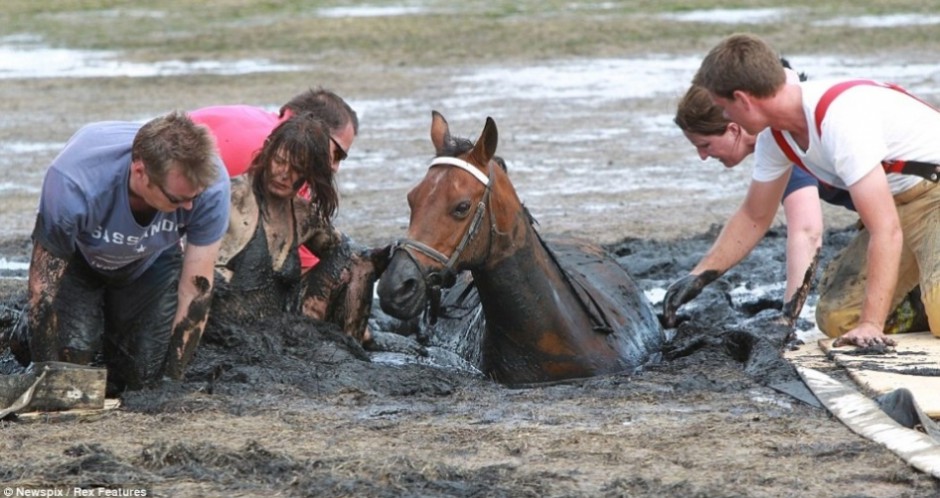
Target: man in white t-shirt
[{"x": 854, "y": 135}]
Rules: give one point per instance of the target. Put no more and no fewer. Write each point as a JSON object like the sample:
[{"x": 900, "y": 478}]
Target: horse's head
[{"x": 452, "y": 220}]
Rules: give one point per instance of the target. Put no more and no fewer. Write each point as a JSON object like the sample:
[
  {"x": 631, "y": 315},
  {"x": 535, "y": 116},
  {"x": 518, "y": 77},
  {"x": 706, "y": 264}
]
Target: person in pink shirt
[{"x": 241, "y": 130}]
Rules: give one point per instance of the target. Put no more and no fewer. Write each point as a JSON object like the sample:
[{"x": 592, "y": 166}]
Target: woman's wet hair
[{"x": 304, "y": 141}]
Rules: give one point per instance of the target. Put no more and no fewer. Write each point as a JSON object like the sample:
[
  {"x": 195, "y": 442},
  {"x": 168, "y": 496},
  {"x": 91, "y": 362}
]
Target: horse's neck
[{"x": 518, "y": 274}]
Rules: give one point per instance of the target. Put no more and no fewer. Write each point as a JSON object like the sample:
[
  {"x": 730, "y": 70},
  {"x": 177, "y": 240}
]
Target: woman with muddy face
[
  {"x": 283, "y": 200},
  {"x": 240, "y": 131},
  {"x": 258, "y": 267}
]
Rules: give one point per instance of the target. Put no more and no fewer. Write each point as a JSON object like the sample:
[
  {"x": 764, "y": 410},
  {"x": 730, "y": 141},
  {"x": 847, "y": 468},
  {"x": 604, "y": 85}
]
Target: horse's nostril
[{"x": 408, "y": 286}]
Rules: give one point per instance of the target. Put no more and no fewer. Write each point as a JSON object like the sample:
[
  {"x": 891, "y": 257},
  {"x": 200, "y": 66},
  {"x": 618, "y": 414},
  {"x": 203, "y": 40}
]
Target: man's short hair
[
  {"x": 326, "y": 105},
  {"x": 174, "y": 140},
  {"x": 741, "y": 62}
]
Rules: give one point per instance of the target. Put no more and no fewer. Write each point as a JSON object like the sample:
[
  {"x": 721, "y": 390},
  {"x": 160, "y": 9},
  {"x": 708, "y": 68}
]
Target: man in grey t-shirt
[{"x": 129, "y": 226}]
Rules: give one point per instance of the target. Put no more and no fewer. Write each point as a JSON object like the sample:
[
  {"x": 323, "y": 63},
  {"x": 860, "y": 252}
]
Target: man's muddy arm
[
  {"x": 45, "y": 276},
  {"x": 875, "y": 205},
  {"x": 195, "y": 296}
]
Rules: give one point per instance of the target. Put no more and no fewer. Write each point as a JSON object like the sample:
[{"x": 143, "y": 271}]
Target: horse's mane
[{"x": 458, "y": 146}]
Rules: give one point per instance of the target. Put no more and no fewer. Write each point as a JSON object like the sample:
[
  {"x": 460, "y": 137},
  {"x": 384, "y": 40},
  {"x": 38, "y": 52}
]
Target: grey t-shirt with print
[{"x": 85, "y": 206}]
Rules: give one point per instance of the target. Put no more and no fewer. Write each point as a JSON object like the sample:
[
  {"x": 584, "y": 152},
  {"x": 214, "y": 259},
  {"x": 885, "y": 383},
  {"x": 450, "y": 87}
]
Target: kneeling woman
[{"x": 258, "y": 269}]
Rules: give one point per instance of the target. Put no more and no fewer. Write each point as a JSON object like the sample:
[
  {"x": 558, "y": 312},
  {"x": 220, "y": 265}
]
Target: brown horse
[{"x": 544, "y": 321}]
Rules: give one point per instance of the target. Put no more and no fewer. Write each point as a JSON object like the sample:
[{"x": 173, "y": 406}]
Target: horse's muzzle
[{"x": 402, "y": 289}]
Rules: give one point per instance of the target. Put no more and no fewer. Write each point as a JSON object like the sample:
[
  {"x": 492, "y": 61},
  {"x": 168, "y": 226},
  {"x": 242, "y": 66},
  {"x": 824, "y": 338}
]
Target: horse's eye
[{"x": 462, "y": 209}]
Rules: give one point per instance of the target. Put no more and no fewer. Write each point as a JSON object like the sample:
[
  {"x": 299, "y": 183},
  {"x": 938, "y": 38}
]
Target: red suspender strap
[
  {"x": 821, "y": 108},
  {"x": 791, "y": 154},
  {"x": 785, "y": 147},
  {"x": 894, "y": 166},
  {"x": 831, "y": 94},
  {"x": 926, "y": 170},
  {"x": 838, "y": 88},
  {"x": 835, "y": 90}
]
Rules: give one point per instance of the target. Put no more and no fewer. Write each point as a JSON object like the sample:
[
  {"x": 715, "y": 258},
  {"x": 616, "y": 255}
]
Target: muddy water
[
  {"x": 292, "y": 407},
  {"x": 590, "y": 142}
]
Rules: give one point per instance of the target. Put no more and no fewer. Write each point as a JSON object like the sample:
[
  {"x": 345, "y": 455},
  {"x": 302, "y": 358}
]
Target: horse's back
[
  {"x": 613, "y": 298},
  {"x": 620, "y": 309}
]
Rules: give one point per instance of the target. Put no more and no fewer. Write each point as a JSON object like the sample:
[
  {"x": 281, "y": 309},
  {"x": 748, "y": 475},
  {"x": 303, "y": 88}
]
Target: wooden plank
[
  {"x": 809, "y": 355},
  {"x": 109, "y": 405},
  {"x": 913, "y": 364},
  {"x": 69, "y": 386}
]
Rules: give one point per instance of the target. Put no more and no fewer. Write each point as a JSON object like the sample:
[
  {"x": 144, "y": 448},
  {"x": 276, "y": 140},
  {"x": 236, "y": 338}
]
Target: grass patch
[{"x": 440, "y": 31}]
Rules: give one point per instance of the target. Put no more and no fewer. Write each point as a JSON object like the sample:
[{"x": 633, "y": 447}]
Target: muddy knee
[
  {"x": 931, "y": 301},
  {"x": 835, "y": 321}
]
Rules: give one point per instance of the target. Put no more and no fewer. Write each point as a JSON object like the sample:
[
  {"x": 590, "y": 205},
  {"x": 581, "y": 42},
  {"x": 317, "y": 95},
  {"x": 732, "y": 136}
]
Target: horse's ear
[
  {"x": 485, "y": 148},
  {"x": 440, "y": 132}
]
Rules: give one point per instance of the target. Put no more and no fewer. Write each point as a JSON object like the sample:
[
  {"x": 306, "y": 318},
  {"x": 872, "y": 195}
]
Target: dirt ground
[{"x": 289, "y": 408}]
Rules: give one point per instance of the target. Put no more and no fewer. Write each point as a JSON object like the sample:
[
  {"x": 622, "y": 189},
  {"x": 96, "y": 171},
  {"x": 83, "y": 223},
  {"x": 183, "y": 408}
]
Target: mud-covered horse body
[
  {"x": 552, "y": 312},
  {"x": 607, "y": 327}
]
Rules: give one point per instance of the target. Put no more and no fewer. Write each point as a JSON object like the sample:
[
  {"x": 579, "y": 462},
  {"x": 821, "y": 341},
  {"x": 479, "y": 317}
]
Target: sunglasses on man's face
[
  {"x": 175, "y": 199},
  {"x": 339, "y": 154}
]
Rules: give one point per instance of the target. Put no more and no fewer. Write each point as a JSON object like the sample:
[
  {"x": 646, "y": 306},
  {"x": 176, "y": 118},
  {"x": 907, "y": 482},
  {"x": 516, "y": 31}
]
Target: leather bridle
[{"x": 446, "y": 275}]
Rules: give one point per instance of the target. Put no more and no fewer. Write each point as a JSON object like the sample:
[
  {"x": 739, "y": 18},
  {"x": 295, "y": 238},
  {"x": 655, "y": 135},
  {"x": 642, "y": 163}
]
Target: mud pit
[
  {"x": 290, "y": 407},
  {"x": 583, "y": 100}
]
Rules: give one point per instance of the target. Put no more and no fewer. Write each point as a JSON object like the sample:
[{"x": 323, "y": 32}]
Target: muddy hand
[
  {"x": 684, "y": 290},
  {"x": 181, "y": 351},
  {"x": 324, "y": 240},
  {"x": 864, "y": 335}
]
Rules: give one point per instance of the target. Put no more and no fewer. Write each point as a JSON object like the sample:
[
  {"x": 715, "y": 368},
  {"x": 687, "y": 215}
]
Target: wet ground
[
  {"x": 292, "y": 408},
  {"x": 289, "y": 408}
]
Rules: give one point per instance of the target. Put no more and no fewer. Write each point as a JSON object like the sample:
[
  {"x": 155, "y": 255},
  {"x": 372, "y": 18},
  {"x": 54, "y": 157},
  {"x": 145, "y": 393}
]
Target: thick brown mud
[{"x": 291, "y": 407}]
